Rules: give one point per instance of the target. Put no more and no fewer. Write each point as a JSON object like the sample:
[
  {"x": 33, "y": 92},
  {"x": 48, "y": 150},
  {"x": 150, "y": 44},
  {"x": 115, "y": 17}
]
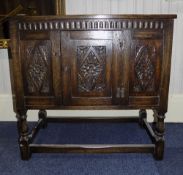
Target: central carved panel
[{"x": 91, "y": 64}]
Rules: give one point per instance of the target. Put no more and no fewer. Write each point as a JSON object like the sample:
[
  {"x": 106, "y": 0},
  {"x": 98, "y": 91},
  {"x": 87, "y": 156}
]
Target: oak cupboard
[{"x": 91, "y": 62}]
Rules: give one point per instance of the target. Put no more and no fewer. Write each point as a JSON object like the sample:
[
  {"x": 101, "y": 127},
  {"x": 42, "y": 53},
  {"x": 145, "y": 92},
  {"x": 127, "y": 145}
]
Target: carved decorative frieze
[
  {"x": 91, "y": 68},
  {"x": 87, "y": 24}
]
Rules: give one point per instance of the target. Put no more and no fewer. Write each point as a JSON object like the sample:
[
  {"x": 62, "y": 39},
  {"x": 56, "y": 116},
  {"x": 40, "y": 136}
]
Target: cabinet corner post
[{"x": 23, "y": 131}]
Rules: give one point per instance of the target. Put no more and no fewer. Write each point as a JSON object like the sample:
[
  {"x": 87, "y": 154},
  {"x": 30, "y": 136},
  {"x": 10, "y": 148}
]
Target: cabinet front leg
[
  {"x": 142, "y": 115},
  {"x": 43, "y": 115},
  {"x": 159, "y": 131},
  {"x": 23, "y": 135}
]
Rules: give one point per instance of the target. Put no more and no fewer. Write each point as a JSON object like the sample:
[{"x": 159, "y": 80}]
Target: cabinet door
[
  {"x": 121, "y": 55},
  {"x": 86, "y": 65},
  {"x": 145, "y": 63},
  {"x": 40, "y": 68}
]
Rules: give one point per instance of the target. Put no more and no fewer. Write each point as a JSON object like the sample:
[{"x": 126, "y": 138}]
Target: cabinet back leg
[
  {"x": 142, "y": 115},
  {"x": 43, "y": 115}
]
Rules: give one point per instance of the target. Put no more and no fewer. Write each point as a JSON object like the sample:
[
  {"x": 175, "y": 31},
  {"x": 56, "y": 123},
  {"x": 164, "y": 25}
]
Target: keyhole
[{"x": 121, "y": 44}]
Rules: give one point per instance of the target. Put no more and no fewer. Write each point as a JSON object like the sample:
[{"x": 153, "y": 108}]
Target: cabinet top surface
[{"x": 133, "y": 16}]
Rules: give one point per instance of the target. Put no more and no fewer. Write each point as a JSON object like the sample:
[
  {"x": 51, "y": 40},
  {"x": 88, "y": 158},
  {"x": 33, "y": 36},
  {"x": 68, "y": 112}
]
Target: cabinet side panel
[
  {"x": 16, "y": 71},
  {"x": 166, "y": 66}
]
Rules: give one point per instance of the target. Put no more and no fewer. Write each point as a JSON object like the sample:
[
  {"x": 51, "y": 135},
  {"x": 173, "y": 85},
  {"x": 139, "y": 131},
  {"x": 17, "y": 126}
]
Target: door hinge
[
  {"x": 120, "y": 92},
  {"x": 118, "y": 95}
]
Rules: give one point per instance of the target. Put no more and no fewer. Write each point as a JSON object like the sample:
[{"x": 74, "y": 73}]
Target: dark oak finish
[{"x": 91, "y": 62}]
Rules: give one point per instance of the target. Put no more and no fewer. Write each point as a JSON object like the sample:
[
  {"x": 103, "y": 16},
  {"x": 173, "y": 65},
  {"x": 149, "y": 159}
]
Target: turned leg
[
  {"x": 142, "y": 115},
  {"x": 23, "y": 135},
  {"x": 155, "y": 120},
  {"x": 159, "y": 131},
  {"x": 43, "y": 115}
]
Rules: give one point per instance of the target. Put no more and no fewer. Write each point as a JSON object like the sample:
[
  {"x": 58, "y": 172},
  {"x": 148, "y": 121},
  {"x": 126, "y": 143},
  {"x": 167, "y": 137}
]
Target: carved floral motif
[
  {"x": 37, "y": 69},
  {"x": 91, "y": 68},
  {"x": 144, "y": 68}
]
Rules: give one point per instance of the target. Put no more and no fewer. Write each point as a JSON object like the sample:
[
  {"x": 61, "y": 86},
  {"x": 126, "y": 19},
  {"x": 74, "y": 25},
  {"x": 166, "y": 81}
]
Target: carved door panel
[
  {"x": 40, "y": 59},
  {"x": 145, "y": 63},
  {"x": 87, "y": 62}
]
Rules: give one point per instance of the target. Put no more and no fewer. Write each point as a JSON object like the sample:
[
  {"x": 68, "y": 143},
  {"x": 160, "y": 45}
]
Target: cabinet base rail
[
  {"x": 156, "y": 148},
  {"x": 91, "y": 148}
]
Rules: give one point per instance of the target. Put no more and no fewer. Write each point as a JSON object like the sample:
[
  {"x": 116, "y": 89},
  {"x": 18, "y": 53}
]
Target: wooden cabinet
[
  {"x": 93, "y": 62},
  {"x": 91, "y": 68}
]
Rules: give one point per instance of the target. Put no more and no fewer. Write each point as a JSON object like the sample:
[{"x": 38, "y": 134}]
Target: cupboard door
[
  {"x": 86, "y": 65},
  {"x": 121, "y": 55},
  {"x": 40, "y": 68},
  {"x": 145, "y": 63}
]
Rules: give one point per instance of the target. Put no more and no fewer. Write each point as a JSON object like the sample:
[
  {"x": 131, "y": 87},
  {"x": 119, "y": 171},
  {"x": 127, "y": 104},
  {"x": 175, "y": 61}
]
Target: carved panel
[
  {"x": 144, "y": 68},
  {"x": 91, "y": 63},
  {"x": 37, "y": 68}
]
